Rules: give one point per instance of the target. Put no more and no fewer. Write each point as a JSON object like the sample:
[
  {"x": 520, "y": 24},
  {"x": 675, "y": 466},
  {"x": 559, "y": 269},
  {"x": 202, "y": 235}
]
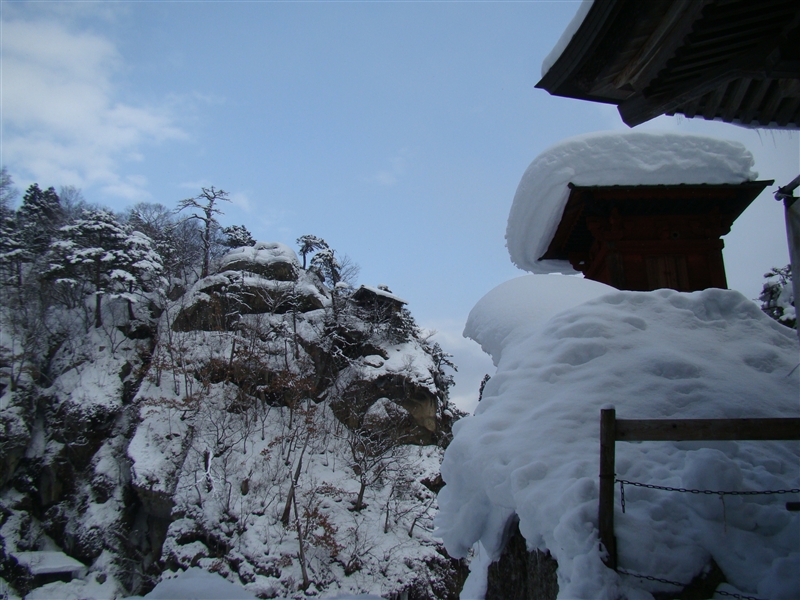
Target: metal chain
[
  {"x": 651, "y": 486},
  {"x": 683, "y": 585},
  {"x": 720, "y": 493}
]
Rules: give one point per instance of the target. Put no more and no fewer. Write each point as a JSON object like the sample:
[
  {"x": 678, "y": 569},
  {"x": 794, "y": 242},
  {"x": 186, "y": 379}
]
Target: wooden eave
[
  {"x": 572, "y": 236},
  {"x": 733, "y": 60}
]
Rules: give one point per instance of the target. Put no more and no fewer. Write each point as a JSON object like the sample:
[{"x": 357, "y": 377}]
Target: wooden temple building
[
  {"x": 646, "y": 237},
  {"x": 732, "y": 60}
]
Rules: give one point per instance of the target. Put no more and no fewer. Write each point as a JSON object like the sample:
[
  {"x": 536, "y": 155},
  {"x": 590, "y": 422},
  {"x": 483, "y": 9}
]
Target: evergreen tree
[
  {"x": 777, "y": 296},
  {"x": 326, "y": 264},
  {"x": 38, "y": 219},
  {"x": 96, "y": 256},
  {"x": 10, "y": 242},
  {"x": 309, "y": 244},
  {"x": 238, "y": 236}
]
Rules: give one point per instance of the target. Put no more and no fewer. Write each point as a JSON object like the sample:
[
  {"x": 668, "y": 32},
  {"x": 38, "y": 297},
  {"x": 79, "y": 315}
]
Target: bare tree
[
  {"x": 374, "y": 453},
  {"x": 205, "y": 203}
]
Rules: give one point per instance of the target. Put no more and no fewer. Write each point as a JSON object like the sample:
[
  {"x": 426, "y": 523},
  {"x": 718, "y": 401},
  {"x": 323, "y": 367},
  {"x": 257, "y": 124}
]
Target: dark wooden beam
[
  {"x": 752, "y": 104},
  {"x": 606, "y": 492},
  {"x": 661, "y": 44},
  {"x": 639, "y": 108},
  {"x": 787, "y": 112},
  {"x": 678, "y": 430},
  {"x": 774, "y": 97},
  {"x": 713, "y": 102},
  {"x": 739, "y": 89}
]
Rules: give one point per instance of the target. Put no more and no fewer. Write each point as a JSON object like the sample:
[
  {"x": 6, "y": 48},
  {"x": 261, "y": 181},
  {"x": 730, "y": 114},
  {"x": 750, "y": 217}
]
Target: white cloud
[
  {"x": 391, "y": 175},
  {"x": 62, "y": 120},
  {"x": 241, "y": 200}
]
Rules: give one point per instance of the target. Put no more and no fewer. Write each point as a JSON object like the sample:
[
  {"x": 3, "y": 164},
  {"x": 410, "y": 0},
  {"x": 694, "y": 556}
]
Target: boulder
[
  {"x": 355, "y": 409},
  {"x": 216, "y": 301},
  {"x": 272, "y": 260}
]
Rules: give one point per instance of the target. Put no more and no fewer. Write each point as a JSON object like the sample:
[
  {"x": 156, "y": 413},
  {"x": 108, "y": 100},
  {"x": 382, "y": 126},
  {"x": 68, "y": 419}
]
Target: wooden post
[{"x": 607, "y": 476}]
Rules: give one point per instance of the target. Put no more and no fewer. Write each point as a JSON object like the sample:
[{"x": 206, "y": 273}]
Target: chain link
[
  {"x": 651, "y": 486},
  {"x": 683, "y": 585},
  {"x": 720, "y": 493}
]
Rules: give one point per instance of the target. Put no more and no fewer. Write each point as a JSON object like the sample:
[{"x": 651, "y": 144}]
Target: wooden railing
[{"x": 614, "y": 430}]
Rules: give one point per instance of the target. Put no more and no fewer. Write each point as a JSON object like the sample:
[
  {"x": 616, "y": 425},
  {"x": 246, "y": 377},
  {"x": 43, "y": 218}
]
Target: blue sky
[{"x": 397, "y": 131}]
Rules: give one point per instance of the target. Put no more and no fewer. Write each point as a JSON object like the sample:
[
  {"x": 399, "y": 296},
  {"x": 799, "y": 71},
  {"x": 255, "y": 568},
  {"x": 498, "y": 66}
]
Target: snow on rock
[
  {"x": 48, "y": 562},
  {"x": 529, "y": 300},
  {"x": 566, "y": 37},
  {"x": 610, "y": 158},
  {"x": 384, "y": 411},
  {"x": 266, "y": 258},
  {"x": 197, "y": 584},
  {"x": 532, "y": 447}
]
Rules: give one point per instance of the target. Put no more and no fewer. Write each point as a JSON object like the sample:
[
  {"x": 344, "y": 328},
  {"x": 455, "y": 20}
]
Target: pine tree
[
  {"x": 38, "y": 219},
  {"x": 96, "y": 256},
  {"x": 777, "y": 296},
  {"x": 142, "y": 270},
  {"x": 238, "y": 236},
  {"x": 10, "y": 242},
  {"x": 309, "y": 244}
]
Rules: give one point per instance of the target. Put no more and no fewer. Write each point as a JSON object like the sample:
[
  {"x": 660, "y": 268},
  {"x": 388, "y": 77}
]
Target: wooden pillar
[{"x": 607, "y": 476}]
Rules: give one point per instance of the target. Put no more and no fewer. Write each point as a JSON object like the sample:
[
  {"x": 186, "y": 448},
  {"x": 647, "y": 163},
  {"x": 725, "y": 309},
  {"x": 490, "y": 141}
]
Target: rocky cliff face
[{"x": 260, "y": 425}]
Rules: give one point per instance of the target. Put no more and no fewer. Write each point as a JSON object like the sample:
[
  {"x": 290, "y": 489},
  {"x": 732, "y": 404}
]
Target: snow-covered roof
[
  {"x": 381, "y": 292},
  {"x": 48, "y": 562},
  {"x": 532, "y": 447},
  {"x": 566, "y": 37},
  {"x": 263, "y": 253},
  {"x": 611, "y": 158}
]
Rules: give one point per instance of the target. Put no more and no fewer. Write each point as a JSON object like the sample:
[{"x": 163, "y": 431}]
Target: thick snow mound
[
  {"x": 532, "y": 447},
  {"x": 197, "y": 584},
  {"x": 263, "y": 255},
  {"x": 525, "y": 301},
  {"x": 610, "y": 158}
]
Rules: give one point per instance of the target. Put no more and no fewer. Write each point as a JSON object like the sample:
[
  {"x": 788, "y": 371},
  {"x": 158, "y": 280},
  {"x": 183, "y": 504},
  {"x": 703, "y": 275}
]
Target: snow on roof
[
  {"x": 532, "y": 447},
  {"x": 48, "y": 562},
  {"x": 383, "y": 293},
  {"x": 610, "y": 158},
  {"x": 526, "y": 301},
  {"x": 567, "y": 36},
  {"x": 263, "y": 253}
]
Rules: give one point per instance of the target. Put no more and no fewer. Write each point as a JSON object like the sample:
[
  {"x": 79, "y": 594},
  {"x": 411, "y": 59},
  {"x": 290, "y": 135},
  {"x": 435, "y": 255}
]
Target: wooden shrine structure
[
  {"x": 646, "y": 237},
  {"x": 732, "y": 60}
]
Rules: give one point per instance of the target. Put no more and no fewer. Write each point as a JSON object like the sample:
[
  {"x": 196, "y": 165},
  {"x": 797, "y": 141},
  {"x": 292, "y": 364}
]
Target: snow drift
[
  {"x": 610, "y": 158},
  {"x": 532, "y": 447},
  {"x": 510, "y": 306}
]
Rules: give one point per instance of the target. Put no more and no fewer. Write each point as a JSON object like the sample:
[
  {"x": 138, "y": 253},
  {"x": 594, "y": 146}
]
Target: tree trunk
[
  {"x": 360, "y": 500},
  {"x": 98, "y": 315}
]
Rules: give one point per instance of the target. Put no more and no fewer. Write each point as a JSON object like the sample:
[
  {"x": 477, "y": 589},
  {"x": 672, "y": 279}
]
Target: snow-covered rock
[{"x": 273, "y": 260}]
